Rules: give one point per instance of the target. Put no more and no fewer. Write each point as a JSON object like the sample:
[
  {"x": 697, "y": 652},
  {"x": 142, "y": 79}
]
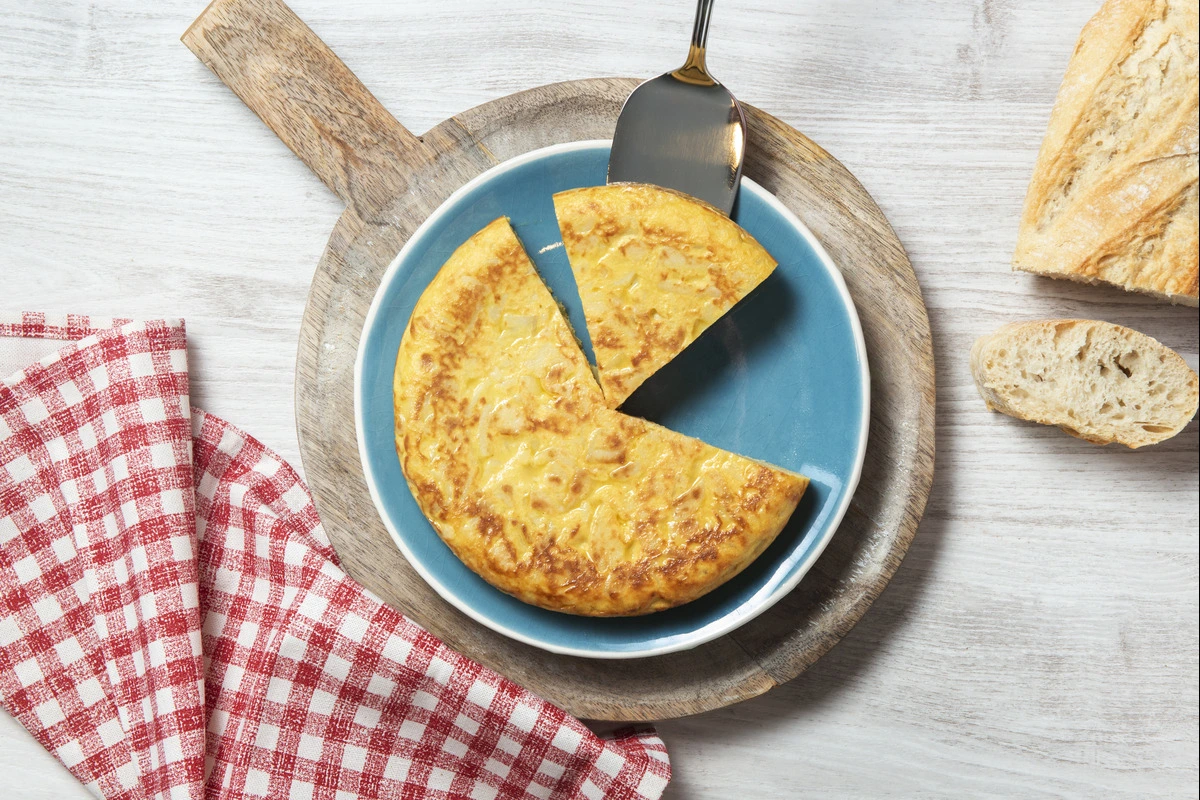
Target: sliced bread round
[{"x": 1095, "y": 380}]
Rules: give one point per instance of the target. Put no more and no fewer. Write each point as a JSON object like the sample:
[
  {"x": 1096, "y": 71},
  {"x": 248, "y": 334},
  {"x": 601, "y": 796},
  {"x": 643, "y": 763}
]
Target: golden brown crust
[
  {"x": 1113, "y": 198},
  {"x": 655, "y": 268},
  {"x": 511, "y": 452}
]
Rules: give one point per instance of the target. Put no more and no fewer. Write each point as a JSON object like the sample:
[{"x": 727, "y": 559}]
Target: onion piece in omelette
[
  {"x": 655, "y": 268},
  {"x": 512, "y": 453}
]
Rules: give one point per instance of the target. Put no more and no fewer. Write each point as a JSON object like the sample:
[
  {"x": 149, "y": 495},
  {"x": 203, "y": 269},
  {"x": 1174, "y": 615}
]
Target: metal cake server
[{"x": 683, "y": 130}]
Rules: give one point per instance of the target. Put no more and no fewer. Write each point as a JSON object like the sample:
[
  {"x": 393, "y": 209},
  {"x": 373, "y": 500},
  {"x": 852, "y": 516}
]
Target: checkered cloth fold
[{"x": 174, "y": 622}]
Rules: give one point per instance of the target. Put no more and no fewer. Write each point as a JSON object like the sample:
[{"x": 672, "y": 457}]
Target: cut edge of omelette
[
  {"x": 612, "y": 536},
  {"x": 655, "y": 268}
]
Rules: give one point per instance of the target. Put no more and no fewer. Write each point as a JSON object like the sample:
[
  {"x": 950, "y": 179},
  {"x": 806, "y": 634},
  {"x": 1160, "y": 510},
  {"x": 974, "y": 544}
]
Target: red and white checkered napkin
[{"x": 174, "y": 623}]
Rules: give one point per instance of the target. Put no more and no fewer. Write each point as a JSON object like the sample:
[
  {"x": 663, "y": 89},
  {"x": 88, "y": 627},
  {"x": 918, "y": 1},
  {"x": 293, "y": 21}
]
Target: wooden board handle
[{"x": 288, "y": 77}]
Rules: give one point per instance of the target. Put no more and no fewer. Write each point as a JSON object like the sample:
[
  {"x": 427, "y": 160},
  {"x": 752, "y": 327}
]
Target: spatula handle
[
  {"x": 303, "y": 92},
  {"x": 694, "y": 69},
  {"x": 700, "y": 26}
]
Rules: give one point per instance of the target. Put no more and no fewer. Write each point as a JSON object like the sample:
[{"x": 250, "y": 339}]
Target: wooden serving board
[{"x": 392, "y": 180}]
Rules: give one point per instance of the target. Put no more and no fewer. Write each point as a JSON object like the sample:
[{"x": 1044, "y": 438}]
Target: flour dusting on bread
[{"x": 1113, "y": 198}]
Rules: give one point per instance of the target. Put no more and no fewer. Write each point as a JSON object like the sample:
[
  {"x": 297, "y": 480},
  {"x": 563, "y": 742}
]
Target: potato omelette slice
[
  {"x": 535, "y": 484},
  {"x": 654, "y": 268}
]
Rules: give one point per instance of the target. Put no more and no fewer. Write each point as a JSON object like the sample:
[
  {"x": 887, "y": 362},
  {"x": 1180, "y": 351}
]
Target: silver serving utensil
[{"x": 683, "y": 130}]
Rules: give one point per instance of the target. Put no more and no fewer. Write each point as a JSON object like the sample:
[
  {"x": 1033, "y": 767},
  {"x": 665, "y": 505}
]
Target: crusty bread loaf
[
  {"x": 1113, "y": 197},
  {"x": 1095, "y": 380}
]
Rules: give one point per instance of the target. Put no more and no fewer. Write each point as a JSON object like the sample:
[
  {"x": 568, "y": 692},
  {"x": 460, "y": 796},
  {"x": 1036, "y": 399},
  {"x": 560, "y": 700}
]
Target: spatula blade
[{"x": 684, "y": 136}]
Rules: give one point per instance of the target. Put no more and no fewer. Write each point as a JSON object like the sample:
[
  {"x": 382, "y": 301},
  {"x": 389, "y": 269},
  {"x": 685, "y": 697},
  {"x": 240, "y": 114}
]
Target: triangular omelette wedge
[
  {"x": 1113, "y": 197},
  {"x": 533, "y": 482},
  {"x": 654, "y": 269}
]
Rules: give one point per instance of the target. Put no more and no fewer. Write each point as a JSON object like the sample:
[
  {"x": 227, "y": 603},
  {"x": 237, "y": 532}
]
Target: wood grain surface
[
  {"x": 1040, "y": 638},
  {"x": 260, "y": 48},
  {"x": 307, "y": 96}
]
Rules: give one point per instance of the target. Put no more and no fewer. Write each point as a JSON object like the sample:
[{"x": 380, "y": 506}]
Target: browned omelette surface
[
  {"x": 655, "y": 268},
  {"x": 509, "y": 447}
]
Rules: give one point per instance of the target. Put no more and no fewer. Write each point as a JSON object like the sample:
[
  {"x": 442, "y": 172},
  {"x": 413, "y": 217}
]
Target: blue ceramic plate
[{"x": 782, "y": 378}]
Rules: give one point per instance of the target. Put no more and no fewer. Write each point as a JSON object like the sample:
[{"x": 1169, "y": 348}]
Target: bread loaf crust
[{"x": 1113, "y": 198}]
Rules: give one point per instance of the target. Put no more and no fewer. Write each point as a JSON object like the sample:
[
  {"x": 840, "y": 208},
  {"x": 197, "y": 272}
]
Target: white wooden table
[{"x": 1041, "y": 637}]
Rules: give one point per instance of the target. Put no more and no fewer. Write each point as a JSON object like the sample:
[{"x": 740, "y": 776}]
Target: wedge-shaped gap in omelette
[
  {"x": 655, "y": 268},
  {"x": 701, "y": 374},
  {"x": 538, "y": 486}
]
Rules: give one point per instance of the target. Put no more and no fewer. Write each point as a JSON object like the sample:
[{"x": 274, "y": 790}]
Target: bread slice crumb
[{"x": 1095, "y": 380}]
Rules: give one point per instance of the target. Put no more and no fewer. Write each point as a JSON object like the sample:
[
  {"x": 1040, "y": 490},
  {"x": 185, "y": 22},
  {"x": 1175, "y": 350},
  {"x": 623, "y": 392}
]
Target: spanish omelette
[
  {"x": 655, "y": 268},
  {"x": 512, "y": 452}
]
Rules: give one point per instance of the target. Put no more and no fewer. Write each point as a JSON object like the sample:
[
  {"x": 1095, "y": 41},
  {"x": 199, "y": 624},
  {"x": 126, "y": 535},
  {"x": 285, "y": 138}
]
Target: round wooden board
[{"x": 392, "y": 180}]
